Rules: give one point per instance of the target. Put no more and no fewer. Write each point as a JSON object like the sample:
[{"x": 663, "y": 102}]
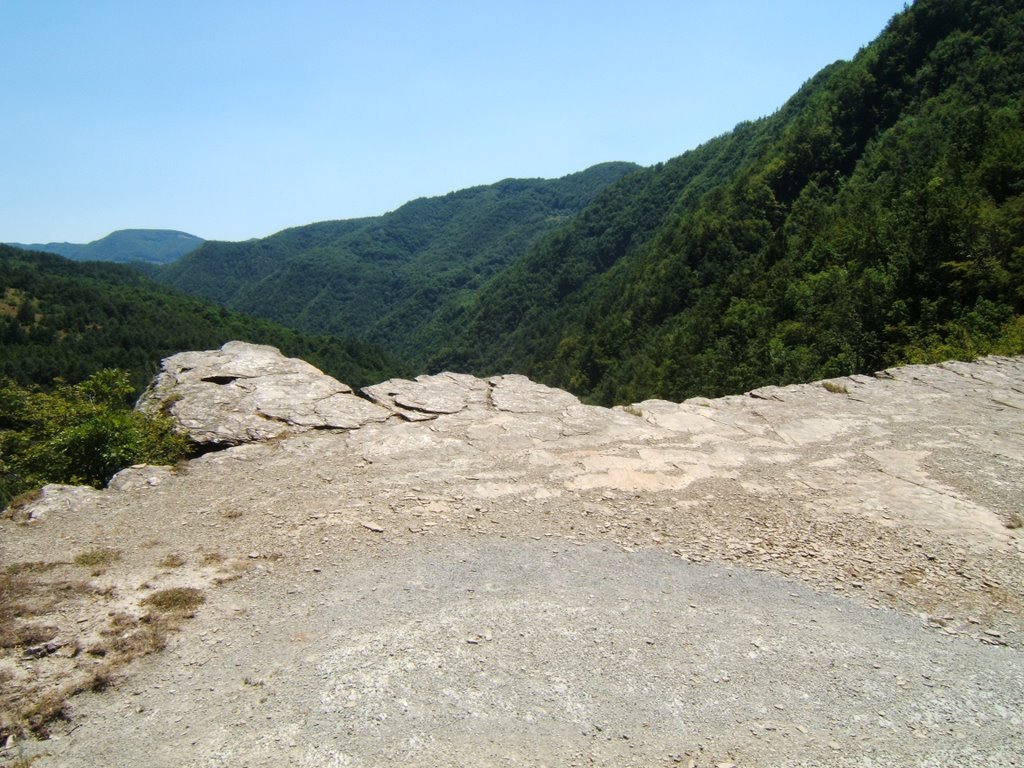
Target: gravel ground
[{"x": 549, "y": 653}]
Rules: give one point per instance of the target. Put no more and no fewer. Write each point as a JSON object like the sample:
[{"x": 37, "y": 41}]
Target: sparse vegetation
[
  {"x": 20, "y": 599},
  {"x": 38, "y": 714},
  {"x": 33, "y": 634},
  {"x": 176, "y": 600},
  {"x": 836, "y": 389},
  {"x": 29, "y": 591},
  {"x": 98, "y": 559},
  {"x": 173, "y": 560},
  {"x": 131, "y": 637},
  {"x": 22, "y": 499},
  {"x": 31, "y": 566}
]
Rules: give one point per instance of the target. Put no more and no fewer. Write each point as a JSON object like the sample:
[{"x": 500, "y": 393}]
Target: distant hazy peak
[{"x": 159, "y": 246}]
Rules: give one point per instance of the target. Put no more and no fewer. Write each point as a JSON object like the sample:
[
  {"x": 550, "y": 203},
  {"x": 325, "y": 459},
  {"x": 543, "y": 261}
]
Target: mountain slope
[
  {"x": 60, "y": 318},
  {"x": 877, "y": 217},
  {"x": 155, "y": 246},
  {"x": 385, "y": 277}
]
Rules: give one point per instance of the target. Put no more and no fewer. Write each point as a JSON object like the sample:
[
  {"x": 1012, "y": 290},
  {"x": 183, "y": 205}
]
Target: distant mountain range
[{"x": 153, "y": 246}]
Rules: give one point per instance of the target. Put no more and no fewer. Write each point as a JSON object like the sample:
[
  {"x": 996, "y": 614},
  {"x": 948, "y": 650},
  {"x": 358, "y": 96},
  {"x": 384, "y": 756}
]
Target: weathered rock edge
[{"x": 246, "y": 393}]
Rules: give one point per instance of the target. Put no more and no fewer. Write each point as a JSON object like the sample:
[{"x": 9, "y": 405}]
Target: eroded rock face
[{"x": 248, "y": 392}]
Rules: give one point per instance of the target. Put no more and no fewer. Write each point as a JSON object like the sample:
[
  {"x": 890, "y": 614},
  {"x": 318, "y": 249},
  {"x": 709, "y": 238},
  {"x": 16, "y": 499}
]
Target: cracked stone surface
[
  {"x": 493, "y": 573},
  {"x": 249, "y": 392}
]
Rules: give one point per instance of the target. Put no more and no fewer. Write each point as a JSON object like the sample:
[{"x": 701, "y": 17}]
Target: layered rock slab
[
  {"x": 249, "y": 392},
  {"x": 428, "y": 397}
]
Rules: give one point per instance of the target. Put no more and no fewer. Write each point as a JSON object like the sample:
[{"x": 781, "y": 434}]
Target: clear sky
[{"x": 233, "y": 119}]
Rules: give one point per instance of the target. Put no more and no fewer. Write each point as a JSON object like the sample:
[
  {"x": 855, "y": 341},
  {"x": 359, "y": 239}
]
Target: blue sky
[{"x": 232, "y": 120}]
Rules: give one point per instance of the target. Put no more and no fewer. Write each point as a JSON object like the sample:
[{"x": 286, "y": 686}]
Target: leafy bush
[{"x": 79, "y": 434}]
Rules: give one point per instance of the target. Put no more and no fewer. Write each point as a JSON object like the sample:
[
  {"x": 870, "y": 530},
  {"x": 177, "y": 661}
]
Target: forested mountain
[
  {"x": 154, "y": 246},
  {"x": 384, "y": 278},
  {"x": 877, "y": 217},
  {"x": 60, "y": 318}
]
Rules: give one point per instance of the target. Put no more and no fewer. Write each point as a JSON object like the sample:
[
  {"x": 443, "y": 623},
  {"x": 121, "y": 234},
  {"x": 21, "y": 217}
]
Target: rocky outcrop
[
  {"x": 483, "y": 557},
  {"x": 247, "y": 392}
]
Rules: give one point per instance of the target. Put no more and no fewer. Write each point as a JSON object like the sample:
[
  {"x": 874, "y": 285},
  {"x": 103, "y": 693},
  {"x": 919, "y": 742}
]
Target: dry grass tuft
[
  {"x": 98, "y": 559},
  {"x": 38, "y": 716},
  {"x": 20, "y": 598},
  {"x": 173, "y": 560},
  {"x": 176, "y": 600},
  {"x": 29, "y": 634},
  {"x": 41, "y": 713},
  {"x": 19, "y": 502},
  {"x": 29, "y": 594},
  {"x": 130, "y": 637},
  {"x": 32, "y": 566},
  {"x": 836, "y": 389}
]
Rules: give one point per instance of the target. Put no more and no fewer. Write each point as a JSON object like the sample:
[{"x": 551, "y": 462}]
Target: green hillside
[
  {"x": 384, "y": 279},
  {"x": 876, "y": 218},
  {"x": 60, "y": 318},
  {"x": 150, "y": 246}
]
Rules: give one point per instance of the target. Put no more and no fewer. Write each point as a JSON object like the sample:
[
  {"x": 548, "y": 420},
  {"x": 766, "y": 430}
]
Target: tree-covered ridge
[
  {"x": 64, "y": 319},
  {"x": 385, "y": 278},
  {"x": 877, "y": 218},
  {"x": 151, "y": 246}
]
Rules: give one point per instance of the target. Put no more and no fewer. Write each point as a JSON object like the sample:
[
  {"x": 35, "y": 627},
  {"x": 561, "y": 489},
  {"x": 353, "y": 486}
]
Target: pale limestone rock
[
  {"x": 517, "y": 394},
  {"x": 428, "y": 397},
  {"x": 55, "y": 501},
  {"x": 249, "y": 392}
]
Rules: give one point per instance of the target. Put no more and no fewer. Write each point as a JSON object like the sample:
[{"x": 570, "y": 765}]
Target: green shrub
[{"x": 79, "y": 434}]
